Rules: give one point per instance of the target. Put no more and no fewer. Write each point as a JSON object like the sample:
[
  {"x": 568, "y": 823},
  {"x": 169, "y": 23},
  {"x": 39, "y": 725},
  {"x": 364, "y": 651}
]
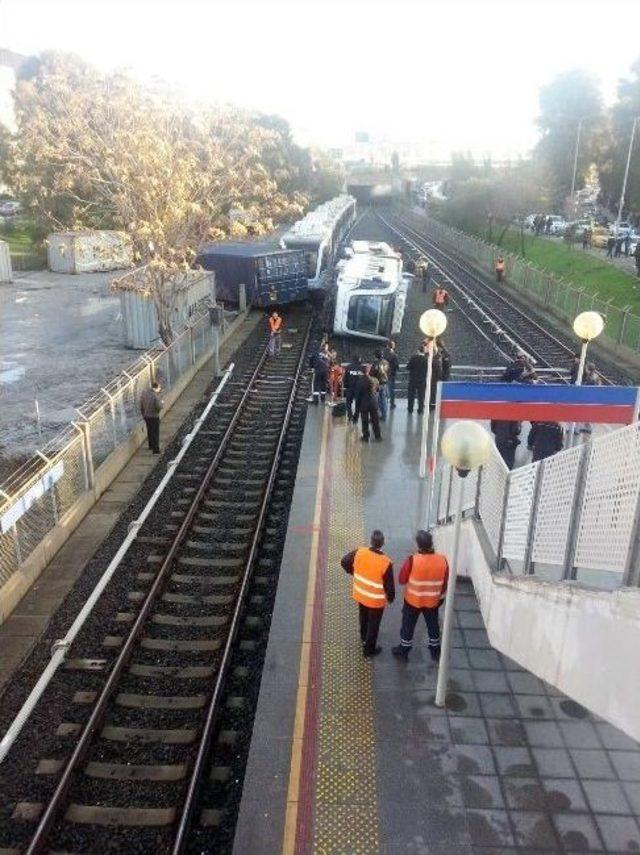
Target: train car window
[
  {"x": 386, "y": 317},
  {"x": 363, "y": 314}
]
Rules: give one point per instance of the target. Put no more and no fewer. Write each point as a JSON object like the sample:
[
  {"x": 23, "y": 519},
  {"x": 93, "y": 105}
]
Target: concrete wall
[
  {"x": 17, "y": 586},
  {"x": 584, "y": 642}
]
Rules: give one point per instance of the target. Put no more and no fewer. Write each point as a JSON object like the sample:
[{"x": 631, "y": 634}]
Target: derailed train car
[{"x": 371, "y": 291}]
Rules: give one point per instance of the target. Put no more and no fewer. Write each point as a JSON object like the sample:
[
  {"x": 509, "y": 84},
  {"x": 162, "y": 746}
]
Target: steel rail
[
  {"x": 45, "y": 825},
  {"x": 189, "y": 803}
]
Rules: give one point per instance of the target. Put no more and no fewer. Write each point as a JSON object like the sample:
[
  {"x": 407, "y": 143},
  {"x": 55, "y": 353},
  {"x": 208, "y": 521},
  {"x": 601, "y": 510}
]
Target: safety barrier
[
  {"x": 549, "y": 291},
  {"x": 37, "y": 496},
  {"x": 572, "y": 517}
]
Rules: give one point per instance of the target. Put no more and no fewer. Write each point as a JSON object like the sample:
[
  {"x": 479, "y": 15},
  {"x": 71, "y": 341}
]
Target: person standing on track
[
  {"x": 151, "y": 405},
  {"x": 440, "y": 298},
  {"x": 500, "y": 268},
  {"x": 425, "y": 575},
  {"x": 275, "y": 333},
  {"x": 373, "y": 587},
  {"x": 418, "y": 366}
]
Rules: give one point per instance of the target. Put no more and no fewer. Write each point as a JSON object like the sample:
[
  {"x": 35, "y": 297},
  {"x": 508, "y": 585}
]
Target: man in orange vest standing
[
  {"x": 425, "y": 575},
  {"x": 275, "y": 333},
  {"x": 440, "y": 298},
  {"x": 372, "y": 588},
  {"x": 500, "y": 268}
]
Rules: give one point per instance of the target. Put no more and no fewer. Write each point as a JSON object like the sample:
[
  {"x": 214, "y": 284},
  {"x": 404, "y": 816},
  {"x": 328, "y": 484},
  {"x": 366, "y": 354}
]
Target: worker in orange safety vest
[
  {"x": 275, "y": 333},
  {"x": 500, "y": 268},
  {"x": 425, "y": 575},
  {"x": 372, "y": 588},
  {"x": 440, "y": 298}
]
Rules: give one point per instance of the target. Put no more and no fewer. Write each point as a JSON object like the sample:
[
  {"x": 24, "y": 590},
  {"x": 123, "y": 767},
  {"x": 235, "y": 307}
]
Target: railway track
[
  {"x": 131, "y": 775},
  {"x": 497, "y": 317}
]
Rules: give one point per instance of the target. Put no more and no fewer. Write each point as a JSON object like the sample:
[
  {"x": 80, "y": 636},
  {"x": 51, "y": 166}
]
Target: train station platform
[{"x": 352, "y": 756}]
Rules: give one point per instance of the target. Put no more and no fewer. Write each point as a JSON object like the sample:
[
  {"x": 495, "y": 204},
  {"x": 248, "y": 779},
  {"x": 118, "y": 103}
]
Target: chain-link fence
[
  {"x": 37, "y": 495},
  {"x": 552, "y": 292},
  {"x": 573, "y": 516}
]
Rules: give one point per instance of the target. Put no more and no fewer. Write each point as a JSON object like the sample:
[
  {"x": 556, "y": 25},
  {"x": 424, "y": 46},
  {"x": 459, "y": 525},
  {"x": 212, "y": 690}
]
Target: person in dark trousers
[
  {"x": 425, "y": 575},
  {"x": 367, "y": 404},
  {"x": 441, "y": 370},
  {"x": 507, "y": 435},
  {"x": 320, "y": 363},
  {"x": 352, "y": 375},
  {"x": 417, "y": 366},
  {"x": 627, "y": 243},
  {"x": 151, "y": 406},
  {"x": 373, "y": 587},
  {"x": 391, "y": 356},
  {"x": 545, "y": 439},
  {"x": 636, "y": 255},
  {"x": 618, "y": 250},
  {"x": 611, "y": 243}
]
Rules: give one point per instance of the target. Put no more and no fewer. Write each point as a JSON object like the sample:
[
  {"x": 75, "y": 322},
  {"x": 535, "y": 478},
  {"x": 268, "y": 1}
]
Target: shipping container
[
  {"x": 5, "y": 263},
  {"x": 272, "y": 276},
  {"x": 88, "y": 252}
]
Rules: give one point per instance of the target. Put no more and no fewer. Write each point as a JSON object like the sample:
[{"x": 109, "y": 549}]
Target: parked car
[
  {"x": 622, "y": 229},
  {"x": 10, "y": 209}
]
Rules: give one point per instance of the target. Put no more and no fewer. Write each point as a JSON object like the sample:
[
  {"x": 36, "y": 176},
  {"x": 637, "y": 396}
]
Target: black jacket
[
  {"x": 506, "y": 433},
  {"x": 387, "y": 579},
  {"x": 351, "y": 375},
  {"x": 392, "y": 358},
  {"x": 366, "y": 390},
  {"x": 545, "y": 439},
  {"x": 418, "y": 366}
]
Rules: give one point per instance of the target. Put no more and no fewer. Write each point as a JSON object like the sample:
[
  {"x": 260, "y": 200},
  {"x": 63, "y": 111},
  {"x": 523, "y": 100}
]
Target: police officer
[
  {"x": 351, "y": 378},
  {"x": 417, "y": 366},
  {"x": 372, "y": 588},
  {"x": 425, "y": 575}
]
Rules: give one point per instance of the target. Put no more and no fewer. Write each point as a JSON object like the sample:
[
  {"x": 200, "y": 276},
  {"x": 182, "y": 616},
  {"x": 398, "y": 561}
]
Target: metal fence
[
  {"x": 553, "y": 292},
  {"x": 39, "y": 493},
  {"x": 574, "y": 516}
]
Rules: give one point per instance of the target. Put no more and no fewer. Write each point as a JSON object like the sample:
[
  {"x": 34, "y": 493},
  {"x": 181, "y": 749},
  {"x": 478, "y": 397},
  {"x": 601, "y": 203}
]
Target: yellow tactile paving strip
[{"x": 332, "y": 801}]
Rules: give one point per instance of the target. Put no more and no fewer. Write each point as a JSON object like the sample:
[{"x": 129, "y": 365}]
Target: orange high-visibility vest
[
  {"x": 275, "y": 324},
  {"x": 428, "y": 574},
  {"x": 368, "y": 569},
  {"x": 500, "y": 265},
  {"x": 440, "y": 296}
]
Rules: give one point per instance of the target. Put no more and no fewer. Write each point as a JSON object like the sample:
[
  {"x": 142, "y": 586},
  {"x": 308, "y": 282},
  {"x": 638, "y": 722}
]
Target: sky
[{"x": 443, "y": 76}]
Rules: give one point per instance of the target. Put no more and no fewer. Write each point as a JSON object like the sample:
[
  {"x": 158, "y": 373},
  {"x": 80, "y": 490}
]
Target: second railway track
[{"x": 130, "y": 769}]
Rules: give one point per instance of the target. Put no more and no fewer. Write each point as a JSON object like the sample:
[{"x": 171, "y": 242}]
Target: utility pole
[
  {"x": 575, "y": 166},
  {"x": 626, "y": 173}
]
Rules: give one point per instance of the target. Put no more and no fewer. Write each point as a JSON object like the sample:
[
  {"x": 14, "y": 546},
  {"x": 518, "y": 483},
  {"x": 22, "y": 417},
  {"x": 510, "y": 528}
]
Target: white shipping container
[
  {"x": 6, "y": 274},
  {"x": 88, "y": 252}
]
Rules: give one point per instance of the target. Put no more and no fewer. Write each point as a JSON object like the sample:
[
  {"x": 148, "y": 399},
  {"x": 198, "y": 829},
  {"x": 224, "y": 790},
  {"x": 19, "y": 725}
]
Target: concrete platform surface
[
  {"x": 351, "y": 756},
  {"x": 23, "y": 627}
]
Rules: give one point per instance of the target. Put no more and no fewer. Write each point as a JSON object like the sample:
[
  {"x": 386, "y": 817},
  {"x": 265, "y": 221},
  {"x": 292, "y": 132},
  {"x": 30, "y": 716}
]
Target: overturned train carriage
[{"x": 371, "y": 292}]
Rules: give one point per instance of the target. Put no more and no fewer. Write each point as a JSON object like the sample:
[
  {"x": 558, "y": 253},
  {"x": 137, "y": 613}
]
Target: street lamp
[
  {"x": 433, "y": 323},
  {"x": 587, "y": 326},
  {"x": 466, "y": 445}
]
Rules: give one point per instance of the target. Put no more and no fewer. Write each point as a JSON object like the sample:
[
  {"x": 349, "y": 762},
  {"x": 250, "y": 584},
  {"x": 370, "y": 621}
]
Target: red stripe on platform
[
  {"x": 308, "y": 763},
  {"x": 518, "y": 412}
]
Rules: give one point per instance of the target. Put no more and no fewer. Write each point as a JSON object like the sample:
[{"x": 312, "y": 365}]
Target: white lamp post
[
  {"x": 433, "y": 323},
  {"x": 587, "y": 326},
  {"x": 466, "y": 445}
]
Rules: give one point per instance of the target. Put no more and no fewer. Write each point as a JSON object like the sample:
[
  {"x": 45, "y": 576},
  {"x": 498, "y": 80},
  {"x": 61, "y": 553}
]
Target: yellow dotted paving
[{"x": 345, "y": 809}]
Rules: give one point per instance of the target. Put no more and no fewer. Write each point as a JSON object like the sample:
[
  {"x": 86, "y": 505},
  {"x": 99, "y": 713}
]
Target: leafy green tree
[{"x": 569, "y": 99}]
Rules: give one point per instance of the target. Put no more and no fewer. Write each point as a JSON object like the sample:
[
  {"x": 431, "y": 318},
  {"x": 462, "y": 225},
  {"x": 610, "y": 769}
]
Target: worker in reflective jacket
[
  {"x": 372, "y": 588},
  {"x": 275, "y": 333},
  {"x": 500, "y": 268},
  {"x": 425, "y": 575},
  {"x": 440, "y": 298}
]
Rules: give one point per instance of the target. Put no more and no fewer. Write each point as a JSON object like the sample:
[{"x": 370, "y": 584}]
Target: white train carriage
[
  {"x": 319, "y": 234},
  {"x": 371, "y": 291}
]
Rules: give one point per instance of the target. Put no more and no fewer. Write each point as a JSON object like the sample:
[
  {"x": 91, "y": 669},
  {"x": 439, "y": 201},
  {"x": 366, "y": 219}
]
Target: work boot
[{"x": 401, "y": 651}]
